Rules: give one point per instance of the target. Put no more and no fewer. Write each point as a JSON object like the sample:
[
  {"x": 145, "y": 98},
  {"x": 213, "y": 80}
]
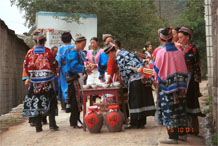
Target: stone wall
[{"x": 12, "y": 52}]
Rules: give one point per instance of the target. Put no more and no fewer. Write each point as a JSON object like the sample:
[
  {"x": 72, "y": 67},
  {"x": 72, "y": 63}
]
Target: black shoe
[
  {"x": 55, "y": 128},
  {"x": 130, "y": 127},
  {"x": 78, "y": 127},
  {"x": 32, "y": 124},
  {"x": 38, "y": 129},
  {"x": 141, "y": 127},
  {"x": 79, "y": 124},
  {"x": 199, "y": 94},
  {"x": 68, "y": 110},
  {"x": 202, "y": 115}
]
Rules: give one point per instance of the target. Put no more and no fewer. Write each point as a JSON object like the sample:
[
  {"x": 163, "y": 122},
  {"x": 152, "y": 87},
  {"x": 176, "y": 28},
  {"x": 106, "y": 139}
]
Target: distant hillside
[{"x": 170, "y": 9}]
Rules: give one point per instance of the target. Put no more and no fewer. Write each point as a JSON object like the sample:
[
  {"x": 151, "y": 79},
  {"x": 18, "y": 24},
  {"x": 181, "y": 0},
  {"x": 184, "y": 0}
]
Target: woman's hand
[
  {"x": 93, "y": 66},
  {"x": 108, "y": 81},
  {"x": 27, "y": 82},
  {"x": 134, "y": 69}
]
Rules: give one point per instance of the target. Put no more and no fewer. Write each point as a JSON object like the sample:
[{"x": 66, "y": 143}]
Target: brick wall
[{"x": 12, "y": 53}]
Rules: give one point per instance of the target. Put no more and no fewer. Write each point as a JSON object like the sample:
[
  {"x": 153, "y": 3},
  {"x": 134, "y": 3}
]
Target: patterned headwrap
[
  {"x": 108, "y": 47},
  {"x": 105, "y": 36},
  {"x": 39, "y": 35},
  {"x": 186, "y": 29},
  {"x": 164, "y": 36},
  {"x": 79, "y": 37}
]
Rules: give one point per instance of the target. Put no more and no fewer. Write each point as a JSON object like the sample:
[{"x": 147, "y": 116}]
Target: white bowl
[
  {"x": 116, "y": 84},
  {"x": 99, "y": 84},
  {"x": 94, "y": 86},
  {"x": 86, "y": 86},
  {"x": 105, "y": 85}
]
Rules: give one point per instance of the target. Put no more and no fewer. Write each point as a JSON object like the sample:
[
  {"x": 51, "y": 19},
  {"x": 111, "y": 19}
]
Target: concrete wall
[
  {"x": 12, "y": 53},
  {"x": 53, "y": 20},
  {"x": 211, "y": 17}
]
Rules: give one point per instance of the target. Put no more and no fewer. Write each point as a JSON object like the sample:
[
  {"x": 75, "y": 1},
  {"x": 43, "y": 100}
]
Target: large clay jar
[
  {"x": 114, "y": 119},
  {"x": 94, "y": 120}
]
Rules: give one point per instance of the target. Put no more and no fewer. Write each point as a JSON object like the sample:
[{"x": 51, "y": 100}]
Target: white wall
[{"x": 52, "y": 20}]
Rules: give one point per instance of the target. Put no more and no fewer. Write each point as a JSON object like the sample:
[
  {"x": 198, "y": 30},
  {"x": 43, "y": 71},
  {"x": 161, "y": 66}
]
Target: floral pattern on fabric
[
  {"x": 37, "y": 100},
  {"x": 39, "y": 61},
  {"x": 40, "y": 67},
  {"x": 170, "y": 114},
  {"x": 125, "y": 60}
]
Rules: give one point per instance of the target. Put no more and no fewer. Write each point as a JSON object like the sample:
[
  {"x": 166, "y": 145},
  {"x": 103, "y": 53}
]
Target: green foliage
[
  {"x": 193, "y": 17},
  {"x": 214, "y": 139},
  {"x": 132, "y": 22},
  {"x": 209, "y": 101},
  {"x": 208, "y": 110}
]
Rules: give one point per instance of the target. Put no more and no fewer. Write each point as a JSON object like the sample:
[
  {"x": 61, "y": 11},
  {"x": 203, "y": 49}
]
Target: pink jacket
[{"x": 89, "y": 56}]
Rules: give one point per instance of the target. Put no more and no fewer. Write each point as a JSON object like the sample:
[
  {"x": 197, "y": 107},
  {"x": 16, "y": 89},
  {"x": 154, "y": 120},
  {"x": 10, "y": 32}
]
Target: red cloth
[
  {"x": 179, "y": 46},
  {"x": 112, "y": 67},
  {"x": 144, "y": 75},
  {"x": 154, "y": 54}
]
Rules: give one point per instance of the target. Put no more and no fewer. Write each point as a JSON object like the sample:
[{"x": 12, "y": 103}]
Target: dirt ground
[{"x": 24, "y": 135}]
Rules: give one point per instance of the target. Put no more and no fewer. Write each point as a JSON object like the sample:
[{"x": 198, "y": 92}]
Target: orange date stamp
[{"x": 182, "y": 130}]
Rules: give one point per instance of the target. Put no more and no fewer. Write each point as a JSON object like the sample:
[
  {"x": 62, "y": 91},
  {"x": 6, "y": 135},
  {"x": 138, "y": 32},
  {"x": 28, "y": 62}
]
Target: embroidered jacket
[
  {"x": 39, "y": 65},
  {"x": 171, "y": 70},
  {"x": 125, "y": 60},
  {"x": 192, "y": 60}
]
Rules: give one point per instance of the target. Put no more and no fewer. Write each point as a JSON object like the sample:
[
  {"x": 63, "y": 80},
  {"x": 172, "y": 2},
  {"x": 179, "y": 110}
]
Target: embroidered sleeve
[
  {"x": 193, "y": 63},
  {"x": 25, "y": 74}
]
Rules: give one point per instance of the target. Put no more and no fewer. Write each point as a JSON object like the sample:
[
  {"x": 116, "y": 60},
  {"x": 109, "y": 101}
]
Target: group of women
[
  {"x": 174, "y": 67},
  {"x": 177, "y": 74},
  {"x": 177, "y": 71}
]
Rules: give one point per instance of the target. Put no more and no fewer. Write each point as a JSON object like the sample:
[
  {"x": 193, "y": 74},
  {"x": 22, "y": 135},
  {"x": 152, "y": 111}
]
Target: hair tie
[{"x": 170, "y": 30}]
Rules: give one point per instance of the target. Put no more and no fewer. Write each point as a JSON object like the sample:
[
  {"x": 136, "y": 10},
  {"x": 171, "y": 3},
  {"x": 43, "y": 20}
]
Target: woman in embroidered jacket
[
  {"x": 39, "y": 73},
  {"x": 141, "y": 104},
  {"x": 192, "y": 60},
  {"x": 171, "y": 75},
  {"x": 93, "y": 57}
]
